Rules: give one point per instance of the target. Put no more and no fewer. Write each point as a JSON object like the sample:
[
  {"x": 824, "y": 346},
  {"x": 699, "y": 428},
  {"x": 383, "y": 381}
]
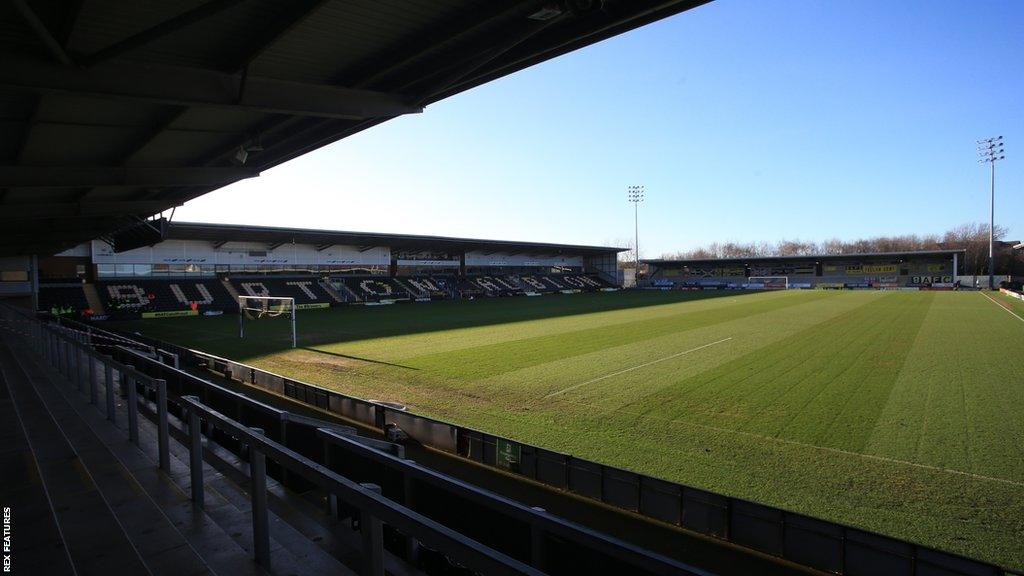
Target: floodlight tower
[
  {"x": 991, "y": 150},
  {"x": 635, "y": 194}
]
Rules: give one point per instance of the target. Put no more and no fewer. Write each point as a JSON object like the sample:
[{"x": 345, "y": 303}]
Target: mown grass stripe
[
  {"x": 1014, "y": 314},
  {"x": 644, "y": 365},
  {"x": 893, "y": 412}
]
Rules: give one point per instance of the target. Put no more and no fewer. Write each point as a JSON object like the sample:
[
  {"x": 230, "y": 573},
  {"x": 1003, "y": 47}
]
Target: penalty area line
[
  {"x": 1003, "y": 307},
  {"x": 637, "y": 367}
]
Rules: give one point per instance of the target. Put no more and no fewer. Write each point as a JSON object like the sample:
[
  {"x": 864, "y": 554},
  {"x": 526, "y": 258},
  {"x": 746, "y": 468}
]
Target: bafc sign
[
  {"x": 508, "y": 454},
  {"x": 931, "y": 280}
]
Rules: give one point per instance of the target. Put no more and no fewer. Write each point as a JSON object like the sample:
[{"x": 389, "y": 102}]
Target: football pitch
[{"x": 898, "y": 412}]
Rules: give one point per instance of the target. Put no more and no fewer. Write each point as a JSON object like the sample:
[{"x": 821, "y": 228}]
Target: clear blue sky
[{"x": 746, "y": 120}]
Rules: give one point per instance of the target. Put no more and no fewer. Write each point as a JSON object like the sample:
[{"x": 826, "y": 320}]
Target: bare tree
[{"x": 972, "y": 237}]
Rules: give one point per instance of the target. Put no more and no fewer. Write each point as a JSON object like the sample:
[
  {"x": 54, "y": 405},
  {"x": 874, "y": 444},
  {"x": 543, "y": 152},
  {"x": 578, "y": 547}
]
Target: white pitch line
[
  {"x": 644, "y": 365},
  {"x": 1003, "y": 307},
  {"x": 816, "y": 447},
  {"x": 850, "y": 453}
]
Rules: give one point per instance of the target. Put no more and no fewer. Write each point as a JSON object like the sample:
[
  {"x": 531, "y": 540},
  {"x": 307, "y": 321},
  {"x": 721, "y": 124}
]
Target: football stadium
[{"x": 207, "y": 398}]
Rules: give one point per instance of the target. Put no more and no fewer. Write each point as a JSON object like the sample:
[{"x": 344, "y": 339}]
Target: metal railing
[
  {"x": 70, "y": 353},
  {"x": 374, "y": 509},
  {"x": 542, "y": 524},
  {"x": 819, "y": 544},
  {"x": 73, "y": 355}
]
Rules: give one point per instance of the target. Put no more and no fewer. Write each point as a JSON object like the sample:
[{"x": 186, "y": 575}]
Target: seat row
[{"x": 130, "y": 296}]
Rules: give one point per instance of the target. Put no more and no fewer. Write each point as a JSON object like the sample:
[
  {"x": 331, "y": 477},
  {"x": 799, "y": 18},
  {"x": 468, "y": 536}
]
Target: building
[
  {"x": 920, "y": 269},
  {"x": 203, "y": 268}
]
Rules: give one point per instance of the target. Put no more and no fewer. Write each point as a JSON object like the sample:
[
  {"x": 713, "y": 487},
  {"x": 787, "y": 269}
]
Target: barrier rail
[
  {"x": 373, "y": 507},
  {"x": 540, "y": 526},
  {"x": 548, "y": 538},
  {"x": 811, "y": 542},
  {"x": 71, "y": 354}
]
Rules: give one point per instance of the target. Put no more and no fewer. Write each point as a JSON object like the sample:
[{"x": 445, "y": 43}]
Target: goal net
[
  {"x": 769, "y": 282},
  {"x": 252, "y": 308}
]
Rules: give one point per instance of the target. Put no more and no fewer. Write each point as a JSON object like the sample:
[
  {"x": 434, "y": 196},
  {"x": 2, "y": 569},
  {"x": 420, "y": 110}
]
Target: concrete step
[
  {"x": 330, "y": 290},
  {"x": 95, "y": 541},
  {"x": 230, "y": 288},
  {"x": 161, "y": 546},
  {"x": 227, "y": 502},
  {"x": 294, "y": 538},
  {"x": 194, "y": 527},
  {"x": 93, "y": 298},
  {"x": 37, "y": 546},
  {"x": 298, "y": 522}
]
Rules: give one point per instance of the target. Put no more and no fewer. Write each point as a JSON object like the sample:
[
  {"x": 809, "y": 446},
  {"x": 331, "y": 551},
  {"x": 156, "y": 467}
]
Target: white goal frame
[
  {"x": 785, "y": 279},
  {"x": 245, "y": 307}
]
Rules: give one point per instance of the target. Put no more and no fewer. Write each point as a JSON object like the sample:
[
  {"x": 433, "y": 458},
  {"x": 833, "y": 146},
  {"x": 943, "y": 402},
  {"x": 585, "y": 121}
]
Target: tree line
[{"x": 972, "y": 237}]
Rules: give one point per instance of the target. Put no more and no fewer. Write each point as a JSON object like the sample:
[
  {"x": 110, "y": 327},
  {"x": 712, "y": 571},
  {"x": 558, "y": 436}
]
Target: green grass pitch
[{"x": 901, "y": 413}]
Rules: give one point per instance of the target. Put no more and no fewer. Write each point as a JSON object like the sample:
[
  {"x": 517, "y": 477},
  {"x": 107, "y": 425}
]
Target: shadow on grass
[
  {"x": 218, "y": 335},
  {"x": 350, "y": 357}
]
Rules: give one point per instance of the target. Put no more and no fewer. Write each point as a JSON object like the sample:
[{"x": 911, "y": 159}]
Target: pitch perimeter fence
[
  {"x": 807, "y": 541},
  {"x": 434, "y": 521}
]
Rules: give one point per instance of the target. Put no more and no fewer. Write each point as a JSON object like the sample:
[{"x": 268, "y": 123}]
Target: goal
[
  {"x": 261, "y": 307},
  {"x": 770, "y": 282}
]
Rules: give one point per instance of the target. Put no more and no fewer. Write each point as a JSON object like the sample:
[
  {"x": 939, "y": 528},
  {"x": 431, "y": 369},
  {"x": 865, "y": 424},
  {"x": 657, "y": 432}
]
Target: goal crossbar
[{"x": 256, "y": 307}]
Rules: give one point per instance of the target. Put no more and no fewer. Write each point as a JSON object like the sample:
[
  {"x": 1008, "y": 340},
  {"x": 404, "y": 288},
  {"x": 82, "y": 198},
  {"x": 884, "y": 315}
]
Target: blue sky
[{"x": 746, "y": 120}]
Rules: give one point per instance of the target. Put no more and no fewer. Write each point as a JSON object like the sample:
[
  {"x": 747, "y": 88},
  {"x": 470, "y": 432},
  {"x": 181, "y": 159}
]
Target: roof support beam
[
  {"x": 79, "y": 176},
  {"x": 217, "y": 244},
  {"x": 85, "y": 209},
  {"x": 193, "y": 87},
  {"x": 161, "y": 30},
  {"x": 282, "y": 25},
  {"x": 407, "y": 53},
  {"x": 322, "y": 247},
  {"x": 26, "y": 132},
  {"x": 275, "y": 245},
  {"x": 43, "y": 33},
  {"x": 480, "y": 60},
  {"x": 140, "y": 144}
]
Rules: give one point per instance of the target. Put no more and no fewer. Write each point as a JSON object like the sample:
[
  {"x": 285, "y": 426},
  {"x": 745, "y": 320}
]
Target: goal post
[
  {"x": 770, "y": 282},
  {"x": 259, "y": 307}
]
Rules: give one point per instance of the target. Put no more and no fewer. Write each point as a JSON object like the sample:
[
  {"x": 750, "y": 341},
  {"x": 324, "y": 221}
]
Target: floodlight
[{"x": 991, "y": 151}]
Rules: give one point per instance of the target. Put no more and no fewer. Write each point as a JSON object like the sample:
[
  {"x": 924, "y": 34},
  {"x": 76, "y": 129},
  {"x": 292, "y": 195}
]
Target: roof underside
[
  {"x": 809, "y": 257},
  {"x": 114, "y": 110},
  {"x": 273, "y": 236}
]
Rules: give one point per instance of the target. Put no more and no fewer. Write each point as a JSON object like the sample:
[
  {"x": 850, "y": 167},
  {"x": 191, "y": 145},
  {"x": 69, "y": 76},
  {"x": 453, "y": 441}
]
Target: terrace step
[
  {"x": 37, "y": 546},
  {"x": 92, "y": 296},
  {"x": 170, "y": 534},
  {"x": 296, "y": 524},
  {"x": 227, "y": 502},
  {"x": 231, "y": 289},
  {"x": 330, "y": 290},
  {"x": 93, "y": 538}
]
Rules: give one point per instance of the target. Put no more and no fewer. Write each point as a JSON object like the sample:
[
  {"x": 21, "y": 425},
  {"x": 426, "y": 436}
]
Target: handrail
[
  {"x": 458, "y": 546},
  {"x": 918, "y": 555},
  {"x": 540, "y": 518},
  {"x": 68, "y": 352}
]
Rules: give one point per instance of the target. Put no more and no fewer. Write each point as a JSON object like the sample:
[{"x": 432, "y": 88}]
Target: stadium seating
[
  {"x": 304, "y": 289},
  {"x": 433, "y": 287},
  {"x": 584, "y": 282},
  {"x": 375, "y": 288},
  {"x": 64, "y": 298},
  {"x": 496, "y": 285},
  {"x": 132, "y": 295},
  {"x": 510, "y": 285}
]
